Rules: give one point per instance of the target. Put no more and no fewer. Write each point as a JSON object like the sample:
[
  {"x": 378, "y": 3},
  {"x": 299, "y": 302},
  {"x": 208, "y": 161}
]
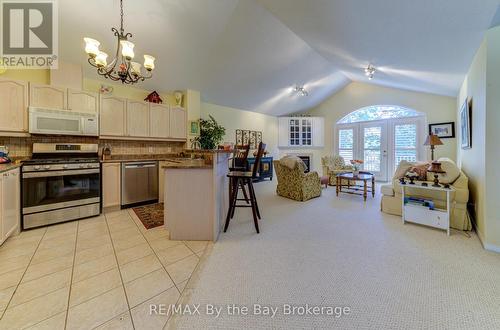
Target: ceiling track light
[
  {"x": 300, "y": 90},
  {"x": 370, "y": 71}
]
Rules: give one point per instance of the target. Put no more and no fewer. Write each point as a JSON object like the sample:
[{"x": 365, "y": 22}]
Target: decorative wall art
[
  {"x": 443, "y": 130},
  {"x": 465, "y": 125},
  {"x": 253, "y": 138}
]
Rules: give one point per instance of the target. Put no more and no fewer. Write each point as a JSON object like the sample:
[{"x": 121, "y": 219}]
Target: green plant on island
[{"x": 211, "y": 133}]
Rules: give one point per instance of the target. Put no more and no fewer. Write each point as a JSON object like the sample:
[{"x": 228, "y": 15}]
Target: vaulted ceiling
[{"x": 248, "y": 54}]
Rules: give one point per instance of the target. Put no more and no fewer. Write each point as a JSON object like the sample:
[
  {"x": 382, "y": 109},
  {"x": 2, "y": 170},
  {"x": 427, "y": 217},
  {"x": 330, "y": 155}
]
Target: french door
[{"x": 381, "y": 144}]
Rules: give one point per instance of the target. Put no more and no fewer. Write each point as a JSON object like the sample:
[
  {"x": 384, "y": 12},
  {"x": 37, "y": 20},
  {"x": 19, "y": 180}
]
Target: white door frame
[{"x": 383, "y": 124}]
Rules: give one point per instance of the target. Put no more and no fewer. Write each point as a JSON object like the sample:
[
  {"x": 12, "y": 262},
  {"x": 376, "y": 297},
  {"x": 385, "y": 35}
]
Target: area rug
[{"x": 151, "y": 215}]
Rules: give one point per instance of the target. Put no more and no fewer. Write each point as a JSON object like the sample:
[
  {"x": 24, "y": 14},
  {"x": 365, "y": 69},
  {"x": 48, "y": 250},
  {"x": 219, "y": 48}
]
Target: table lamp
[
  {"x": 435, "y": 168},
  {"x": 432, "y": 140}
]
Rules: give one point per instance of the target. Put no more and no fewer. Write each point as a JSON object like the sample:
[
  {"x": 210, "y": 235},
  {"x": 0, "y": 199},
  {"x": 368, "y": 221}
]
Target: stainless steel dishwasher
[{"x": 139, "y": 183}]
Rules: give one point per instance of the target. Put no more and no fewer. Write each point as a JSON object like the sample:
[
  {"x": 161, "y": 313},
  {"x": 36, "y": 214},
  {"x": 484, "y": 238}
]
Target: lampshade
[
  {"x": 100, "y": 59},
  {"x": 92, "y": 46},
  {"x": 135, "y": 68},
  {"x": 435, "y": 167},
  {"x": 149, "y": 62},
  {"x": 433, "y": 140},
  {"x": 127, "y": 49}
]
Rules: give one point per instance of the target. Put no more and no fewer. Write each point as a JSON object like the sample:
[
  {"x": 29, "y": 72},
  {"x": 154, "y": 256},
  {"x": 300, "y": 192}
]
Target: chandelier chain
[{"x": 121, "y": 16}]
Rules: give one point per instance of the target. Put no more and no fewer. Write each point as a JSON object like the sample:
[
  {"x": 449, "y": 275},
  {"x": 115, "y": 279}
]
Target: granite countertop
[
  {"x": 186, "y": 163},
  {"x": 9, "y": 166},
  {"x": 209, "y": 151}
]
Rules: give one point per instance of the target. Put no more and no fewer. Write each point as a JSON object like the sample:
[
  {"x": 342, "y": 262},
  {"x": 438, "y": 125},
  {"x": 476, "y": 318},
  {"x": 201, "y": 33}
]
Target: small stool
[{"x": 324, "y": 180}]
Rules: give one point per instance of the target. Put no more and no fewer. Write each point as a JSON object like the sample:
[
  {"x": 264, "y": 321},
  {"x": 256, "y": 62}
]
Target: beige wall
[
  {"x": 358, "y": 95},
  {"x": 233, "y": 119}
]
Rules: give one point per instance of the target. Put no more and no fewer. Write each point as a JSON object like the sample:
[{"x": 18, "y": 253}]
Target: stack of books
[{"x": 420, "y": 202}]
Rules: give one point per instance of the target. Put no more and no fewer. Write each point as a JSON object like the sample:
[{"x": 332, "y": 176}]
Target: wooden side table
[{"x": 354, "y": 188}]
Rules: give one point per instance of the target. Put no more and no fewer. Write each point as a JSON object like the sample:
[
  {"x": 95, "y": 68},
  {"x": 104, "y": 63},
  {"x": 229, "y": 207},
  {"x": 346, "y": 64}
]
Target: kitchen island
[{"x": 196, "y": 196}]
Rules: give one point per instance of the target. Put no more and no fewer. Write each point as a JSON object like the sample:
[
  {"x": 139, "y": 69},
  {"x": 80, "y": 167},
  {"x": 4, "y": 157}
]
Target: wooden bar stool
[
  {"x": 240, "y": 179},
  {"x": 239, "y": 163}
]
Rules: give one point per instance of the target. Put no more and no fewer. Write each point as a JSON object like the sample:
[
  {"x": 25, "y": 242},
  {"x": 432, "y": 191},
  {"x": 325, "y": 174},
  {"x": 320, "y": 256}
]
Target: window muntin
[
  {"x": 300, "y": 132},
  {"x": 378, "y": 112}
]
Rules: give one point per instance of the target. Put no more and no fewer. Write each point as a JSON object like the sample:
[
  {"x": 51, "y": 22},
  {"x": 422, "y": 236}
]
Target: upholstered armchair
[
  {"x": 295, "y": 184},
  {"x": 333, "y": 165}
]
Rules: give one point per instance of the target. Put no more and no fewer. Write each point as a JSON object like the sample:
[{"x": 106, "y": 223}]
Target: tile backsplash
[{"x": 22, "y": 146}]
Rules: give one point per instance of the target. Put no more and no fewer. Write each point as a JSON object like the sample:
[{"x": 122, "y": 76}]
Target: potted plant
[
  {"x": 356, "y": 164},
  {"x": 211, "y": 133}
]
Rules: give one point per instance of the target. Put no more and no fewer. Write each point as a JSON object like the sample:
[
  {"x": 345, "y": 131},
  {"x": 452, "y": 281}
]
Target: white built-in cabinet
[
  {"x": 83, "y": 101},
  {"x": 113, "y": 114},
  {"x": 178, "y": 126},
  {"x": 301, "y": 132},
  {"x": 159, "y": 123},
  {"x": 10, "y": 204},
  {"x": 111, "y": 184},
  {"x": 47, "y": 96},
  {"x": 137, "y": 119},
  {"x": 13, "y": 107}
]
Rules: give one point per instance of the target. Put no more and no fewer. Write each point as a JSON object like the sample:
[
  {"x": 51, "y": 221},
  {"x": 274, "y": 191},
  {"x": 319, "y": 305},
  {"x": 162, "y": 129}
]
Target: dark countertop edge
[
  {"x": 180, "y": 166},
  {"x": 209, "y": 151},
  {"x": 9, "y": 166}
]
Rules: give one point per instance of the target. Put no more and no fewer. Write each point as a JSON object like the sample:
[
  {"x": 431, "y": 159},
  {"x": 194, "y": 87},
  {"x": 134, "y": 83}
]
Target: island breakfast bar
[{"x": 196, "y": 196}]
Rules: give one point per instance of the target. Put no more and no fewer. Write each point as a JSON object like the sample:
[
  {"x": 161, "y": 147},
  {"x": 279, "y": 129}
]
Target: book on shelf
[{"x": 420, "y": 202}]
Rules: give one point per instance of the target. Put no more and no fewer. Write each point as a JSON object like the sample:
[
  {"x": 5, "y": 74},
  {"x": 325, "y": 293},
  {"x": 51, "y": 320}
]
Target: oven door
[{"x": 52, "y": 190}]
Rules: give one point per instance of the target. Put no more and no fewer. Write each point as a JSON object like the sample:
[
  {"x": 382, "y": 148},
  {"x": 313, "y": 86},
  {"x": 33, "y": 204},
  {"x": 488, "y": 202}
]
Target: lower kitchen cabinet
[
  {"x": 161, "y": 181},
  {"x": 10, "y": 203},
  {"x": 111, "y": 184}
]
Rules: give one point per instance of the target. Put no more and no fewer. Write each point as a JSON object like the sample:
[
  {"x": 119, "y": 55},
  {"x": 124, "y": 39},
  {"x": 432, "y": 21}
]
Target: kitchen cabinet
[
  {"x": 46, "y": 96},
  {"x": 137, "y": 119},
  {"x": 178, "y": 123},
  {"x": 159, "y": 120},
  {"x": 161, "y": 181},
  {"x": 111, "y": 184},
  {"x": 83, "y": 101},
  {"x": 13, "y": 107},
  {"x": 10, "y": 199},
  {"x": 301, "y": 132},
  {"x": 113, "y": 116}
]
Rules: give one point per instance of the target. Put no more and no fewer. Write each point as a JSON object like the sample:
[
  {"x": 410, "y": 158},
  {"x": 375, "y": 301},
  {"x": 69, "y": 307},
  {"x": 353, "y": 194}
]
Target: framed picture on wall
[
  {"x": 253, "y": 139},
  {"x": 443, "y": 130},
  {"x": 465, "y": 125},
  {"x": 239, "y": 137},
  {"x": 246, "y": 137},
  {"x": 194, "y": 127}
]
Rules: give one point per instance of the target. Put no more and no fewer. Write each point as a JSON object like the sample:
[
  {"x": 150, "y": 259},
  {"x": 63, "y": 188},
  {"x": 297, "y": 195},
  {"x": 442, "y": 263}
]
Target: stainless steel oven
[{"x": 60, "y": 189}]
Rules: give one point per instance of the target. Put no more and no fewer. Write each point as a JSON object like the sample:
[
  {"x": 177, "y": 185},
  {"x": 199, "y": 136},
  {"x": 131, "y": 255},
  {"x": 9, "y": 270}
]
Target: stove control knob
[
  {"x": 37, "y": 167},
  {"x": 81, "y": 165},
  {"x": 46, "y": 167},
  {"x": 89, "y": 165},
  {"x": 65, "y": 166}
]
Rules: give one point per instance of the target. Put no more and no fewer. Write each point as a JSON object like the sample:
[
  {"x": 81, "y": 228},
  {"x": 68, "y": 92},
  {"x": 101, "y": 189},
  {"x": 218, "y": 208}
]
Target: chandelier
[
  {"x": 121, "y": 67},
  {"x": 370, "y": 71}
]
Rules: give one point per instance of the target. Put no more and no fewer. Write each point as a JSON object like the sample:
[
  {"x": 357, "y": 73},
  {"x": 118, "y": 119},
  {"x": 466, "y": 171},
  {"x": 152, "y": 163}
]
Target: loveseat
[
  {"x": 333, "y": 165},
  {"x": 391, "y": 193},
  {"x": 293, "y": 183}
]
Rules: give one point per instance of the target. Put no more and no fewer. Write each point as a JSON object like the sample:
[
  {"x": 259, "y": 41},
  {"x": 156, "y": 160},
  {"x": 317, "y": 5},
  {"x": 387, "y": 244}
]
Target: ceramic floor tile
[
  {"x": 121, "y": 226},
  {"x": 18, "y": 251},
  {"x": 32, "y": 233},
  {"x": 144, "y": 319},
  {"x": 122, "y": 322},
  {"x": 93, "y": 233},
  {"x": 98, "y": 310},
  {"x": 133, "y": 253},
  {"x": 83, "y": 244},
  {"x": 173, "y": 254},
  {"x": 147, "y": 286},
  {"x": 94, "y": 267},
  {"x": 181, "y": 285},
  {"x": 196, "y": 246},
  {"x": 56, "y": 322},
  {"x": 36, "y": 310},
  {"x": 11, "y": 278},
  {"x": 53, "y": 232},
  {"x": 182, "y": 270},
  {"x": 18, "y": 241},
  {"x": 57, "y": 241},
  {"x": 101, "y": 225},
  {"x": 62, "y": 227},
  {"x": 116, "y": 214},
  {"x": 128, "y": 232},
  {"x": 125, "y": 243},
  {"x": 139, "y": 267},
  {"x": 45, "y": 254},
  {"x": 156, "y": 233},
  {"x": 10, "y": 264},
  {"x": 5, "y": 296},
  {"x": 90, "y": 223},
  {"x": 163, "y": 243},
  {"x": 94, "y": 286},
  {"x": 93, "y": 253},
  {"x": 41, "y": 286},
  {"x": 47, "y": 267}
]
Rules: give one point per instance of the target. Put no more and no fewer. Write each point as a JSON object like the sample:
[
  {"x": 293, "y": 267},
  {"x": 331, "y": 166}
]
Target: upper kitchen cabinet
[
  {"x": 137, "y": 119},
  {"x": 178, "y": 123},
  {"x": 83, "y": 101},
  {"x": 112, "y": 116},
  {"x": 13, "y": 107},
  {"x": 46, "y": 96},
  {"x": 159, "y": 123},
  {"x": 301, "y": 132}
]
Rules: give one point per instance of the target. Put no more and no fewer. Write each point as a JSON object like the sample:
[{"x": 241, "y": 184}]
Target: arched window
[{"x": 378, "y": 112}]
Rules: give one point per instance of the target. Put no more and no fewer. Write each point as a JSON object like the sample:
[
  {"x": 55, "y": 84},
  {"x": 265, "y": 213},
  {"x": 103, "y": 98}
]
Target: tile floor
[{"x": 102, "y": 272}]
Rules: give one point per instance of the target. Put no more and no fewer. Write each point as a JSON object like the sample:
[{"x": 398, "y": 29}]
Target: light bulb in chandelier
[
  {"x": 149, "y": 62},
  {"x": 91, "y": 46},
  {"x": 127, "y": 49},
  {"x": 100, "y": 59}
]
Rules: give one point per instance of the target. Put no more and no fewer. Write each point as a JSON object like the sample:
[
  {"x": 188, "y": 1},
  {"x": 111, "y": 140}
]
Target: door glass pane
[
  {"x": 346, "y": 144},
  {"x": 372, "y": 140},
  {"x": 405, "y": 143}
]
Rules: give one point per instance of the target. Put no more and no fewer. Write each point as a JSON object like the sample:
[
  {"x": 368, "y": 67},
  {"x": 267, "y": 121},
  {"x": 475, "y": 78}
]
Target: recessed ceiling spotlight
[
  {"x": 300, "y": 90},
  {"x": 370, "y": 71}
]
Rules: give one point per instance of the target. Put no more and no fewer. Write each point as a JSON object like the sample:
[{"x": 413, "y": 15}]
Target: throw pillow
[
  {"x": 421, "y": 170},
  {"x": 403, "y": 167},
  {"x": 291, "y": 161}
]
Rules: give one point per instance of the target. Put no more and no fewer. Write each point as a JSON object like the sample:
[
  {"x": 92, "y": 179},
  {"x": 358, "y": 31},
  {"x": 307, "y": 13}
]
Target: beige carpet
[{"x": 340, "y": 252}]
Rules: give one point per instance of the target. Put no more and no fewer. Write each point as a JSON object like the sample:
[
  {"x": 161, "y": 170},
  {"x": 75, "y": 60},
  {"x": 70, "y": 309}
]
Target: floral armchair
[
  {"x": 295, "y": 184},
  {"x": 333, "y": 165}
]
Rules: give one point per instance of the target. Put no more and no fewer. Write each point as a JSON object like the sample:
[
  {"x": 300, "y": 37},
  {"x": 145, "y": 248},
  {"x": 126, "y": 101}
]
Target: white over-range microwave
[{"x": 62, "y": 122}]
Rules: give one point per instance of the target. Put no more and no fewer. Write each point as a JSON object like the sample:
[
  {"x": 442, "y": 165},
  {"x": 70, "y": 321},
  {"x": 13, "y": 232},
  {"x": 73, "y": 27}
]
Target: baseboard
[{"x": 486, "y": 246}]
